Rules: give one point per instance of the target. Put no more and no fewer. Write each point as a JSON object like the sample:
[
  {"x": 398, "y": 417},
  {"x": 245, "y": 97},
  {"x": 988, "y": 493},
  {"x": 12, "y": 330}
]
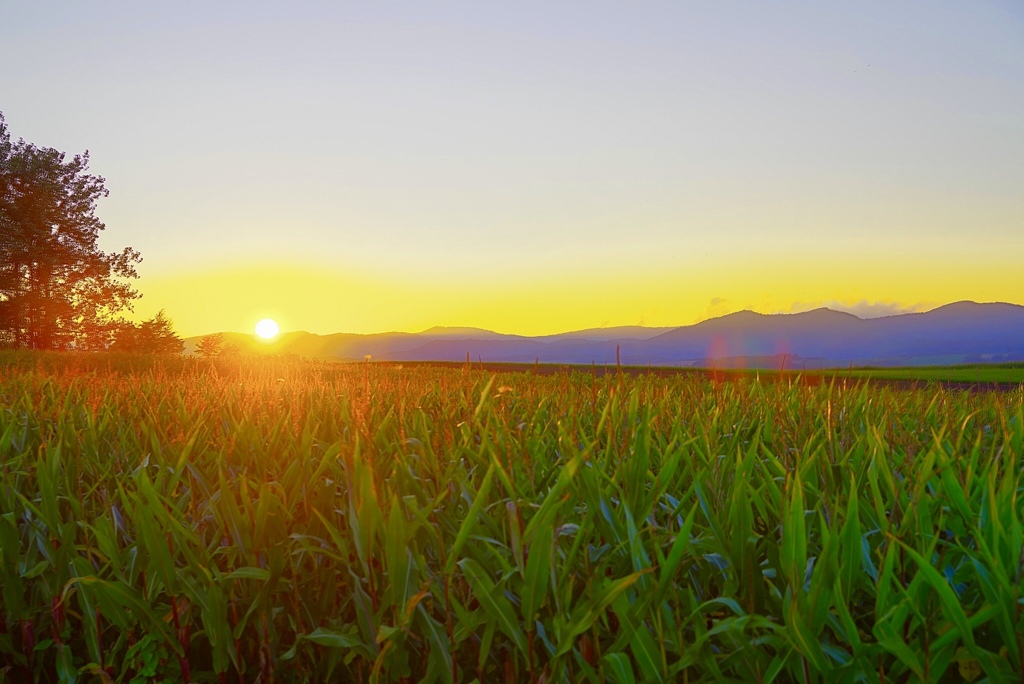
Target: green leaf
[
  {"x": 538, "y": 568},
  {"x": 584, "y": 617},
  {"x": 479, "y": 501},
  {"x": 799, "y": 633},
  {"x": 850, "y": 568},
  {"x": 493, "y": 601},
  {"x": 35, "y": 570},
  {"x": 954, "y": 612},
  {"x": 617, "y": 668},
  {"x": 67, "y": 673},
  {"x": 793, "y": 551},
  {"x": 332, "y": 639},
  {"x": 127, "y": 597},
  {"x": 249, "y": 573},
  {"x": 885, "y": 632}
]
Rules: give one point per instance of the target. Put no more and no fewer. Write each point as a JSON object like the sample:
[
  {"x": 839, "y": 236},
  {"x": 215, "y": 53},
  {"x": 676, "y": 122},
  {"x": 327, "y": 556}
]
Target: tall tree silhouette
[{"x": 58, "y": 289}]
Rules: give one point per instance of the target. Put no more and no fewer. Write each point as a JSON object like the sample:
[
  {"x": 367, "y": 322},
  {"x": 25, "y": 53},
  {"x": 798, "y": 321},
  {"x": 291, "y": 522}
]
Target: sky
[{"x": 536, "y": 167}]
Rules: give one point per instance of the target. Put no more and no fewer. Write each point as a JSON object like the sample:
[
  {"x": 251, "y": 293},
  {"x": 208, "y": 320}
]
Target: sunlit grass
[{"x": 228, "y": 519}]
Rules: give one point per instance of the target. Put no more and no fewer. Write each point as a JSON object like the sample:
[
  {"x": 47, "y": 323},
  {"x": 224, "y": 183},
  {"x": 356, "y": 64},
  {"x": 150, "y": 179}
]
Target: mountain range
[{"x": 963, "y": 332}]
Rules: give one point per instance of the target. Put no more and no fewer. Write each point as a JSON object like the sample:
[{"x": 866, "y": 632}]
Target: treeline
[{"x": 58, "y": 289}]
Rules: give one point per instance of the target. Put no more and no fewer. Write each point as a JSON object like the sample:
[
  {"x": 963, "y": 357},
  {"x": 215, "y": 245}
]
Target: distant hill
[
  {"x": 964, "y": 332},
  {"x": 622, "y": 332},
  {"x": 442, "y": 332}
]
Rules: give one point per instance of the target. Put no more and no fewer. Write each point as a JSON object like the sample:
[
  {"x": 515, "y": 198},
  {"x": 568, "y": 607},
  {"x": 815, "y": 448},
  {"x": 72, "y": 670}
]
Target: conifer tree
[{"x": 58, "y": 289}]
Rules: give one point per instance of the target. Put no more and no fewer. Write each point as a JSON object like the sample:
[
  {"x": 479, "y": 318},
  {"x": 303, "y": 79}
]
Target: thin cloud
[
  {"x": 717, "y": 306},
  {"x": 863, "y": 308}
]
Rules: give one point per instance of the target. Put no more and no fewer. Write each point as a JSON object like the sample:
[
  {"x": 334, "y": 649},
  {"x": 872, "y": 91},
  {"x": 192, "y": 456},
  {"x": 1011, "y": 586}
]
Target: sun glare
[{"x": 267, "y": 329}]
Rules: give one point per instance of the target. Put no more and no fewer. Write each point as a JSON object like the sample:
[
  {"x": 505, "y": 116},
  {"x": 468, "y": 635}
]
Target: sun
[{"x": 267, "y": 329}]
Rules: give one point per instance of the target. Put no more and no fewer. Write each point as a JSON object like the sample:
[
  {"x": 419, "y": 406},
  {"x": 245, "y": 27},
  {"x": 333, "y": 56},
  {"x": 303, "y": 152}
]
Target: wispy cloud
[
  {"x": 864, "y": 308},
  {"x": 717, "y": 306}
]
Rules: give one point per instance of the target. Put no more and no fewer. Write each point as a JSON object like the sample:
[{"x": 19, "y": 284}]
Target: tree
[
  {"x": 155, "y": 336},
  {"x": 58, "y": 289},
  {"x": 210, "y": 345},
  {"x": 214, "y": 345}
]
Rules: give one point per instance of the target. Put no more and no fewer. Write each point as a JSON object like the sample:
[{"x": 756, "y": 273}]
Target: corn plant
[{"x": 274, "y": 519}]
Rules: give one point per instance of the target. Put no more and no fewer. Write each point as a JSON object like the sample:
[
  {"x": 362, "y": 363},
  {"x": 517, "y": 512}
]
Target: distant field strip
[
  {"x": 1000, "y": 377},
  {"x": 248, "y": 520}
]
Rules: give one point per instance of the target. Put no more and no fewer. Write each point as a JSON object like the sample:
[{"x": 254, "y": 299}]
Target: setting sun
[{"x": 267, "y": 329}]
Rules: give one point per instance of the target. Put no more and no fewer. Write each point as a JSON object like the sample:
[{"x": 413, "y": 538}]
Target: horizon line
[{"x": 612, "y": 327}]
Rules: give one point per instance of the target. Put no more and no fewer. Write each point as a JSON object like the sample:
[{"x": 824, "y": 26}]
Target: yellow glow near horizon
[
  {"x": 677, "y": 164},
  {"x": 342, "y": 299},
  {"x": 267, "y": 329}
]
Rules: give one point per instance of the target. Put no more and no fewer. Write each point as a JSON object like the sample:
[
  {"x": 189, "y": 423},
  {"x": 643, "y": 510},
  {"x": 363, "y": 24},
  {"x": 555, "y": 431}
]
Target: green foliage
[
  {"x": 210, "y": 345},
  {"x": 980, "y": 373},
  {"x": 147, "y": 658},
  {"x": 58, "y": 289},
  {"x": 234, "y": 518},
  {"x": 154, "y": 336}
]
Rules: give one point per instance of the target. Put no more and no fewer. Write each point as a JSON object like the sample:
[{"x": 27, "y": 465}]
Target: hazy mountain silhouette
[
  {"x": 621, "y": 332},
  {"x": 964, "y": 332},
  {"x": 440, "y": 331}
]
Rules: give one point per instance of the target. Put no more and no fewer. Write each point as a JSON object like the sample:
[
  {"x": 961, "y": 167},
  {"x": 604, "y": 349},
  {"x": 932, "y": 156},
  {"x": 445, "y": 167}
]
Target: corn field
[{"x": 259, "y": 520}]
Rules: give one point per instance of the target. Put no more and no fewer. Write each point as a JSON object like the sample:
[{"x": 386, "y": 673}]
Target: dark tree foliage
[
  {"x": 58, "y": 289},
  {"x": 211, "y": 346},
  {"x": 155, "y": 336}
]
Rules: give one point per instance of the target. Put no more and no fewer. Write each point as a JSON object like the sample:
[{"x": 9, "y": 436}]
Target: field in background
[
  {"x": 229, "y": 520},
  {"x": 981, "y": 374},
  {"x": 1007, "y": 376}
]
